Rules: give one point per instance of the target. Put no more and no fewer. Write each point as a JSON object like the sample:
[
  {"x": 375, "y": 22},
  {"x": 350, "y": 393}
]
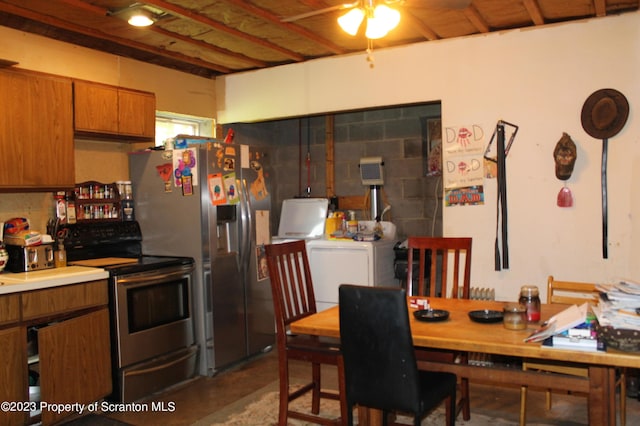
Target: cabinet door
[
  {"x": 36, "y": 131},
  {"x": 9, "y": 308},
  {"x": 75, "y": 361},
  {"x": 137, "y": 113},
  {"x": 13, "y": 373},
  {"x": 95, "y": 108}
]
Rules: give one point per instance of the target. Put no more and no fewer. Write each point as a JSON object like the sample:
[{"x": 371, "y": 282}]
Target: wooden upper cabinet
[
  {"x": 95, "y": 108},
  {"x": 36, "y": 131},
  {"x": 112, "y": 111},
  {"x": 137, "y": 113}
]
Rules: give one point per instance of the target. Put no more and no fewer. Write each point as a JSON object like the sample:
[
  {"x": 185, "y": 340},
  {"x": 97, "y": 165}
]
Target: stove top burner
[{"x": 148, "y": 263}]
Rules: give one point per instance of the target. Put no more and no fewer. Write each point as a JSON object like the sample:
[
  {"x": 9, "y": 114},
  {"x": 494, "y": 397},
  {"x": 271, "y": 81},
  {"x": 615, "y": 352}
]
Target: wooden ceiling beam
[
  {"x": 86, "y": 6},
  {"x": 476, "y": 19},
  {"x": 277, "y": 21},
  {"x": 189, "y": 14},
  {"x": 105, "y": 12},
  {"x": 64, "y": 25},
  {"x": 533, "y": 7},
  {"x": 421, "y": 27},
  {"x": 601, "y": 7},
  {"x": 208, "y": 46}
]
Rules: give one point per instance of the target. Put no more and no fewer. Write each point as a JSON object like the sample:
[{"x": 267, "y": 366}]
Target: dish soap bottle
[{"x": 61, "y": 256}]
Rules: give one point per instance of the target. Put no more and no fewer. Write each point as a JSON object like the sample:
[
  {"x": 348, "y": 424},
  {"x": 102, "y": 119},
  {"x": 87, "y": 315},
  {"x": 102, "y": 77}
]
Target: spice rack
[{"x": 96, "y": 201}]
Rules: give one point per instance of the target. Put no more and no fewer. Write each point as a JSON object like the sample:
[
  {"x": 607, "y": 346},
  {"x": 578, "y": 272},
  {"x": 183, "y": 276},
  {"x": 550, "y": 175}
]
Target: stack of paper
[
  {"x": 571, "y": 317},
  {"x": 618, "y": 305}
]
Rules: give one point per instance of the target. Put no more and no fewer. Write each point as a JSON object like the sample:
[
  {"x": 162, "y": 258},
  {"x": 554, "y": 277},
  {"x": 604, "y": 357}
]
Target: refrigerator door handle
[{"x": 245, "y": 218}]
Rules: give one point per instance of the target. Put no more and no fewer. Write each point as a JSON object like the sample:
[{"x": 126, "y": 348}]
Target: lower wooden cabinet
[
  {"x": 75, "y": 362},
  {"x": 13, "y": 375},
  {"x": 60, "y": 335}
]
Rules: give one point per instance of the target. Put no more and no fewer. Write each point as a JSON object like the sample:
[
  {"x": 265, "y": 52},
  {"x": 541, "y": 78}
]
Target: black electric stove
[{"x": 116, "y": 243}]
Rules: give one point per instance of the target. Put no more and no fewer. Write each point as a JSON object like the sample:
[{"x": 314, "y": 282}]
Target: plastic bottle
[{"x": 61, "y": 256}]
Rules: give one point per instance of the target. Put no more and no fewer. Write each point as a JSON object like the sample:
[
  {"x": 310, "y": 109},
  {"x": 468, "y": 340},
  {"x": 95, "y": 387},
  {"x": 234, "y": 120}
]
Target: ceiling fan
[
  {"x": 370, "y": 4},
  {"x": 380, "y": 16}
]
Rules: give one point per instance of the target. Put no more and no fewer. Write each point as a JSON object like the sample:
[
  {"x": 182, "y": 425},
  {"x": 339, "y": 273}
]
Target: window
[{"x": 169, "y": 124}]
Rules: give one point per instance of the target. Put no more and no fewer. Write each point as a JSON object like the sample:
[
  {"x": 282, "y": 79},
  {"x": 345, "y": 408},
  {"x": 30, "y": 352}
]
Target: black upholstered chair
[{"x": 379, "y": 361}]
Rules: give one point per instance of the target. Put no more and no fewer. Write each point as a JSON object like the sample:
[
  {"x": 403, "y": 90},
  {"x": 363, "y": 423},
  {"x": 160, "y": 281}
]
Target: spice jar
[
  {"x": 529, "y": 297},
  {"x": 515, "y": 317}
]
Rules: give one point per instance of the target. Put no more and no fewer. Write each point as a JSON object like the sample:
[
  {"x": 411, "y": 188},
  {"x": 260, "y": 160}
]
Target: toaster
[{"x": 30, "y": 258}]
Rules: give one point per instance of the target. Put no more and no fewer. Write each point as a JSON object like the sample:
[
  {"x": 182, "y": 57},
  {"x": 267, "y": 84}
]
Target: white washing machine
[
  {"x": 335, "y": 262},
  {"x": 349, "y": 262}
]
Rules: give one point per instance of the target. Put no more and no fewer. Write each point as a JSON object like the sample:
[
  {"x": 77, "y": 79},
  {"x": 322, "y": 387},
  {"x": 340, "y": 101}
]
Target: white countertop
[{"x": 37, "y": 280}]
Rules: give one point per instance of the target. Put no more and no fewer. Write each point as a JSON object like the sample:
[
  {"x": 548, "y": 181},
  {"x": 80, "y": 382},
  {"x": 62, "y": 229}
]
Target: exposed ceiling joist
[{"x": 217, "y": 37}]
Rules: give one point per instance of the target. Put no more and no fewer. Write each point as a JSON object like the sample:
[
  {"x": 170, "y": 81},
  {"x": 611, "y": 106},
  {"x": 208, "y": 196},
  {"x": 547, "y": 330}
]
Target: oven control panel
[{"x": 95, "y": 240}]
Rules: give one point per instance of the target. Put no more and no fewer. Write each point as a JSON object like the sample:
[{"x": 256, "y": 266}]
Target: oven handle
[
  {"x": 153, "y": 278},
  {"x": 158, "y": 367}
]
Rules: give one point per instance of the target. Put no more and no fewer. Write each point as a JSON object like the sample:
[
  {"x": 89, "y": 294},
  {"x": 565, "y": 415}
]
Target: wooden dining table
[{"x": 460, "y": 333}]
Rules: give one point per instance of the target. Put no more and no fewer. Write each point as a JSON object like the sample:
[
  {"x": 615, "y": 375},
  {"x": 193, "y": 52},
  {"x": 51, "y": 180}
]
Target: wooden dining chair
[
  {"x": 570, "y": 292},
  {"x": 444, "y": 270},
  {"x": 379, "y": 359},
  {"x": 448, "y": 269},
  {"x": 293, "y": 299}
]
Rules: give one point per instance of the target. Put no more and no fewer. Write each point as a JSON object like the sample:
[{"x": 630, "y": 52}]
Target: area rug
[{"x": 261, "y": 409}]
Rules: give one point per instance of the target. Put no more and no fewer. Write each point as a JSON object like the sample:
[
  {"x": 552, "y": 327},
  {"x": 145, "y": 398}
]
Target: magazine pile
[
  {"x": 573, "y": 328},
  {"x": 618, "y": 305},
  {"x": 618, "y": 315}
]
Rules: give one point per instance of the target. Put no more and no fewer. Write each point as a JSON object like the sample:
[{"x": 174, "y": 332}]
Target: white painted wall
[{"x": 537, "y": 78}]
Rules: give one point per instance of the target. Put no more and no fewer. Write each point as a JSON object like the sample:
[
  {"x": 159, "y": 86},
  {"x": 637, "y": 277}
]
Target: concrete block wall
[{"x": 394, "y": 133}]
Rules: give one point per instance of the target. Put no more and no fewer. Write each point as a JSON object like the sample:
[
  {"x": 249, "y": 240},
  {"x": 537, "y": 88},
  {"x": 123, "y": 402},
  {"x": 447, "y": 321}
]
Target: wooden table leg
[
  {"x": 601, "y": 408},
  {"x": 369, "y": 416}
]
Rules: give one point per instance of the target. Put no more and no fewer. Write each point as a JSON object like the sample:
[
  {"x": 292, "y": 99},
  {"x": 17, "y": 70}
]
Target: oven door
[{"x": 153, "y": 314}]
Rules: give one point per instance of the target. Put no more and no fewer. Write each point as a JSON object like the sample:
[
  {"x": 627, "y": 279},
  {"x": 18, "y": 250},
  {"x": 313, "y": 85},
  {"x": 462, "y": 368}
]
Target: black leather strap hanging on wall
[
  {"x": 501, "y": 260},
  {"x": 501, "y": 208}
]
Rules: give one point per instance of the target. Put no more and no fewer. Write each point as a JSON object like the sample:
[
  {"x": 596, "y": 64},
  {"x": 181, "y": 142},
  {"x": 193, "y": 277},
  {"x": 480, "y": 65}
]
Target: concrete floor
[{"x": 202, "y": 396}]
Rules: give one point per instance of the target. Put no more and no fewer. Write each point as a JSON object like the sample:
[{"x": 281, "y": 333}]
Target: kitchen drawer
[
  {"x": 60, "y": 300},
  {"x": 9, "y": 309}
]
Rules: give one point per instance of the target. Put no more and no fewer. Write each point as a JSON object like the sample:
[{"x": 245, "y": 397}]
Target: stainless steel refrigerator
[{"x": 211, "y": 201}]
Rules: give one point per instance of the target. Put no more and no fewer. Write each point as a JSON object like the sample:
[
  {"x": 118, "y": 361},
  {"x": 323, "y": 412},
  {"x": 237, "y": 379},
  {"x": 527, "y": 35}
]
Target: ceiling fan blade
[{"x": 319, "y": 12}]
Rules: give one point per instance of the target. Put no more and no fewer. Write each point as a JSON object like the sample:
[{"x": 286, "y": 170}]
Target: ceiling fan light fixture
[
  {"x": 350, "y": 21},
  {"x": 383, "y": 20},
  {"x": 390, "y": 17},
  {"x": 141, "y": 18}
]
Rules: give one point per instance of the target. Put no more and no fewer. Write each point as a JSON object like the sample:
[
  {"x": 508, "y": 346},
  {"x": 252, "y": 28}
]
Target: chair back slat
[
  {"x": 450, "y": 261},
  {"x": 291, "y": 284},
  {"x": 571, "y": 292}
]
